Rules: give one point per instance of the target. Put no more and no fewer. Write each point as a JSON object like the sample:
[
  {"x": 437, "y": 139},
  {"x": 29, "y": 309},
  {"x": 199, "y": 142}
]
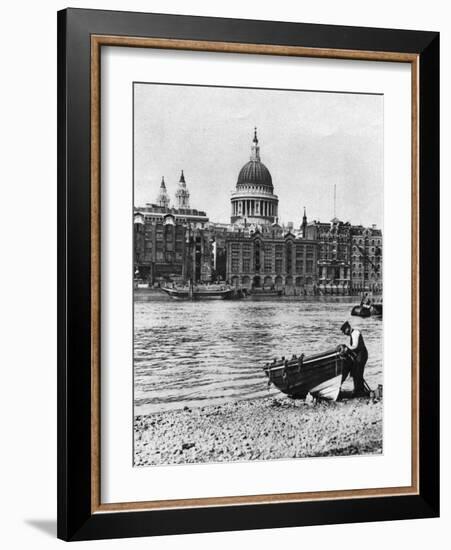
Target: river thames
[{"x": 190, "y": 354}]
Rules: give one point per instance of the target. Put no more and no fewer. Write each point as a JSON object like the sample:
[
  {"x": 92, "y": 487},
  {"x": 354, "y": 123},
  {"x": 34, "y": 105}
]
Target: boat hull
[
  {"x": 361, "y": 311},
  {"x": 330, "y": 389},
  {"x": 198, "y": 295},
  {"x": 377, "y": 309},
  {"x": 320, "y": 374}
]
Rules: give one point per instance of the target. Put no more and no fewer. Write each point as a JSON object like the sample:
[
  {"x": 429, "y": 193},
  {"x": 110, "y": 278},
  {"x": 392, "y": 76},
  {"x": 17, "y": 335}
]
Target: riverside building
[
  {"x": 172, "y": 244},
  {"x": 254, "y": 251},
  {"x": 260, "y": 253},
  {"x": 349, "y": 257}
]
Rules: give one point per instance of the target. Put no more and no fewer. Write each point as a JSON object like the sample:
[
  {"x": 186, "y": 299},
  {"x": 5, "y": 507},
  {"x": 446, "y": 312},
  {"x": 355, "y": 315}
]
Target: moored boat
[
  {"x": 139, "y": 283},
  {"x": 320, "y": 374},
  {"x": 198, "y": 293},
  {"x": 370, "y": 305},
  {"x": 361, "y": 311},
  {"x": 376, "y": 309}
]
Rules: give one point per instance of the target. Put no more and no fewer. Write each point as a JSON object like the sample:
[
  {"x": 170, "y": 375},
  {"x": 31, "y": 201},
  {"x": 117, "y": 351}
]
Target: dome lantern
[{"x": 255, "y": 149}]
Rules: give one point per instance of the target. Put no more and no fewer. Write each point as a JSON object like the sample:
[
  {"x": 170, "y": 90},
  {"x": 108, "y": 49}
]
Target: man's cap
[{"x": 345, "y": 326}]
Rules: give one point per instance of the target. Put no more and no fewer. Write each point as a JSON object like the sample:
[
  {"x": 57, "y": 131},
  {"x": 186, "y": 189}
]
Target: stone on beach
[{"x": 259, "y": 429}]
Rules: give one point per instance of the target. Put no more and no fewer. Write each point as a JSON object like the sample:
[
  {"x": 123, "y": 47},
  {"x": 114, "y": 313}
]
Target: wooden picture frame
[{"x": 81, "y": 35}]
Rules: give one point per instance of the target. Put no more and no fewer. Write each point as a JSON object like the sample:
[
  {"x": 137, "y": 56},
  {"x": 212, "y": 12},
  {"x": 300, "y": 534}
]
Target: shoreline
[
  {"x": 157, "y": 295},
  {"x": 266, "y": 428}
]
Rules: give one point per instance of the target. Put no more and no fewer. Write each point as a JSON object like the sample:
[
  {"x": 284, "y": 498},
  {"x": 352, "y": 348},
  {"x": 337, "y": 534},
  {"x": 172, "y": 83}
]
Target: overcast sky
[{"x": 309, "y": 141}]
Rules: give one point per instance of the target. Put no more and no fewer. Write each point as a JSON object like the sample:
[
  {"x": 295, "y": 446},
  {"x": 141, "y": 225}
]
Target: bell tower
[
  {"x": 163, "y": 197},
  {"x": 182, "y": 193}
]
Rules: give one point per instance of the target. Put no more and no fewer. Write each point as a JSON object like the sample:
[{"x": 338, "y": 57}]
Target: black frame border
[{"x": 75, "y": 520}]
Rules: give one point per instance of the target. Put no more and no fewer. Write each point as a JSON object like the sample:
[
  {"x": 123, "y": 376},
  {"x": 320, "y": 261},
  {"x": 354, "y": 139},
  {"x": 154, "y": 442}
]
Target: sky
[{"x": 310, "y": 141}]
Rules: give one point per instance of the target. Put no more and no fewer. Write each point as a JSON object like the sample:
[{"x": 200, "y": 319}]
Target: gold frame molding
[{"x": 97, "y": 41}]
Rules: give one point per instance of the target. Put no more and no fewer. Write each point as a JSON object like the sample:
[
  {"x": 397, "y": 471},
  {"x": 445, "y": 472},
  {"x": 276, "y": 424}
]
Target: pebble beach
[{"x": 259, "y": 429}]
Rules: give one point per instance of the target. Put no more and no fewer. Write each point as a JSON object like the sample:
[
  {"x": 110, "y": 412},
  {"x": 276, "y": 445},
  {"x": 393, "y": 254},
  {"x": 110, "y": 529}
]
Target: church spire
[
  {"x": 255, "y": 149},
  {"x": 182, "y": 177},
  {"x": 163, "y": 197},
  {"x": 304, "y": 224}
]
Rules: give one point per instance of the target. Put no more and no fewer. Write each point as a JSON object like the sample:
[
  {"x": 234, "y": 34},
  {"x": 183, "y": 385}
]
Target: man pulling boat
[
  {"x": 359, "y": 356},
  {"x": 321, "y": 375}
]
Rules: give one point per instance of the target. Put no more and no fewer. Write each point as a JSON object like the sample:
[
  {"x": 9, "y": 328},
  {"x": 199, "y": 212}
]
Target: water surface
[{"x": 207, "y": 352}]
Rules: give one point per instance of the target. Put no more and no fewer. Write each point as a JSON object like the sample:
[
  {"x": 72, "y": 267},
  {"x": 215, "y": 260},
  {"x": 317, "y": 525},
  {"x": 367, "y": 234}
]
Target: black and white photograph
[
  {"x": 258, "y": 274},
  {"x": 226, "y": 246}
]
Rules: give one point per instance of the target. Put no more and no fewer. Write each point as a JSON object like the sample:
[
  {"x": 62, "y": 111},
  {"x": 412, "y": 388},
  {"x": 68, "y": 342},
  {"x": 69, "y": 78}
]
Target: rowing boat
[{"x": 320, "y": 374}]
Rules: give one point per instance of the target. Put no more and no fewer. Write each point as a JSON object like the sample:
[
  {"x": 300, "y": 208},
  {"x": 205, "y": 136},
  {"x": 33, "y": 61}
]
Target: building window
[
  {"x": 268, "y": 249},
  {"x": 235, "y": 249},
  {"x": 279, "y": 254},
  {"x": 268, "y": 263},
  {"x": 299, "y": 259},
  {"x": 257, "y": 264},
  {"x": 288, "y": 258}
]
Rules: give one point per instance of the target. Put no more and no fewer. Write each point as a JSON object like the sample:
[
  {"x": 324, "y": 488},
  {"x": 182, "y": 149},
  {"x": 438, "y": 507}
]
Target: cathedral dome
[
  {"x": 255, "y": 173},
  {"x": 253, "y": 201}
]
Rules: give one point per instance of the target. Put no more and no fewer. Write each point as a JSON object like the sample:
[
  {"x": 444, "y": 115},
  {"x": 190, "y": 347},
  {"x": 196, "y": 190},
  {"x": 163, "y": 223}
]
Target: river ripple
[{"x": 208, "y": 352}]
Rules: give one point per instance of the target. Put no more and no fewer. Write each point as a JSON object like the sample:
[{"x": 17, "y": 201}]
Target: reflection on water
[{"x": 200, "y": 353}]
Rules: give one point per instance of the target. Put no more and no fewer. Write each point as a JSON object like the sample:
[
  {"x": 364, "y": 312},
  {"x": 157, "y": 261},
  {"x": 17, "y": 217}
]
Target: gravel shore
[{"x": 259, "y": 429}]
